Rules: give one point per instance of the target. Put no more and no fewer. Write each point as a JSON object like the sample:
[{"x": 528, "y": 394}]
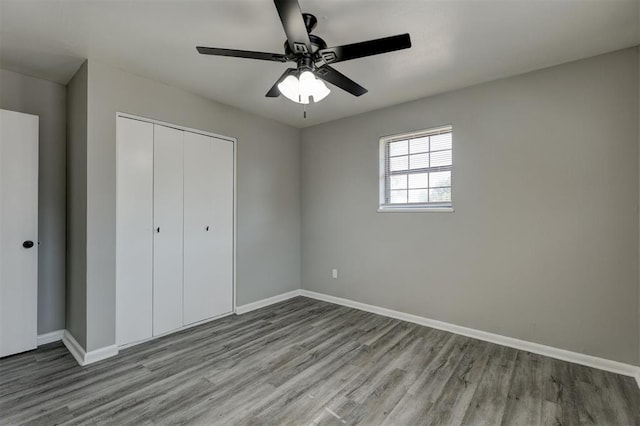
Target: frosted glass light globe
[{"x": 300, "y": 89}]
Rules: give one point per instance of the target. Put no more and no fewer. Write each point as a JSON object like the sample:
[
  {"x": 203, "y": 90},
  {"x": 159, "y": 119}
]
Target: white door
[
  {"x": 134, "y": 237},
  {"x": 168, "y": 223},
  {"x": 208, "y": 227},
  {"x": 18, "y": 232}
]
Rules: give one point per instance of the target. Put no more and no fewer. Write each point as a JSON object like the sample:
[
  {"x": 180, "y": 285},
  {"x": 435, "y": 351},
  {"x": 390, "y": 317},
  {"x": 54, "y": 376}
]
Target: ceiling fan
[{"x": 312, "y": 56}]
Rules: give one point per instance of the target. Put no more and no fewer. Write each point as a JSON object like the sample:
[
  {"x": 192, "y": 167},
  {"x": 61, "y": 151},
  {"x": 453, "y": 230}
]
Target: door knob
[{"x": 27, "y": 244}]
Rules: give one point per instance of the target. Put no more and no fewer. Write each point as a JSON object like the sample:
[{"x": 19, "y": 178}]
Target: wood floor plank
[
  {"x": 490, "y": 398},
  {"x": 560, "y": 388},
  {"x": 524, "y": 400},
  {"x": 453, "y": 402},
  {"x": 309, "y": 362}
]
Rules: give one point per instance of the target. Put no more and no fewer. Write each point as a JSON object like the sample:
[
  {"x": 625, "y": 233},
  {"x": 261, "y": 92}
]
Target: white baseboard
[
  {"x": 50, "y": 337},
  {"x": 85, "y": 358},
  {"x": 561, "y": 354},
  {"x": 100, "y": 354},
  {"x": 73, "y": 347},
  {"x": 266, "y": 302}
]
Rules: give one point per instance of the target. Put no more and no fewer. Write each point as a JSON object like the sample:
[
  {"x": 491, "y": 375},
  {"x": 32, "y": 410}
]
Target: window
[{"x": 415, "y": 170}]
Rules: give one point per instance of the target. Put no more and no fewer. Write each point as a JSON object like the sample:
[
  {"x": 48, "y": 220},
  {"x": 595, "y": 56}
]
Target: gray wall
[
  {"x": 46, "y": 100},
  {"x": 77, "y": 205},
  {"x": 543, "y": 243},
  {"x": 268, "y": 251}
]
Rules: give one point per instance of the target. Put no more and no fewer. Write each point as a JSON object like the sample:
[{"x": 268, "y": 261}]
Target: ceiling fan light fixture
[
  {"x": 313, "y": 86},
  {"x": 300, "y": 89},
  {"x": 290, "y": 88}
]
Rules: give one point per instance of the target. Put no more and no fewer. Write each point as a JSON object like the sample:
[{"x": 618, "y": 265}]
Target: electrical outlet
[{"x": 334, "y": 274}]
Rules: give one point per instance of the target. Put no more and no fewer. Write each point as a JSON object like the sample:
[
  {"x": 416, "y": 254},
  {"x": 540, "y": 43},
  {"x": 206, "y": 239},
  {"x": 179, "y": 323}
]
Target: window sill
[{"x": 415, "y": 210}]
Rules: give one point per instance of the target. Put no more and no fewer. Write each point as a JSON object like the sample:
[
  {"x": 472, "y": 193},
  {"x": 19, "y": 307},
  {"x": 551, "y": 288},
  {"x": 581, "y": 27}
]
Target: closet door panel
[
  {"x": 208, "y": 230},
  {"x": 134, "y": 238},
  {"x": 222, "y": 239},
  {"x": 168, "y": 232}
]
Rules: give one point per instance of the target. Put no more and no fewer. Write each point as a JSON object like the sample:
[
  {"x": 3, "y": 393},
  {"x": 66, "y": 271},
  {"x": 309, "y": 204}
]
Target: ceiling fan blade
[
  {"x": 333, "y": 76},
  {"x": 365, "y": 48},
  {"x": 274, "y": 92},
  {"x": 277, "y": 57},
  {"x": 293, "y": 24}
]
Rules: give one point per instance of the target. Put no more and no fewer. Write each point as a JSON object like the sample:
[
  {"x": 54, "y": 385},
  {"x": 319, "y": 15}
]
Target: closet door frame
[{"x": 235, "y": 201}]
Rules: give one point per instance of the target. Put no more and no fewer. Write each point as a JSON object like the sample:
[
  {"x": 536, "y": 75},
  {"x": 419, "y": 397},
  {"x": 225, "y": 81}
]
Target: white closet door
[
  {"x": 208, "y": 227},
  {"x": 168, "y": 223},
  {"x": 134, "y": 237},
  {"x": 18, "y": 232}
]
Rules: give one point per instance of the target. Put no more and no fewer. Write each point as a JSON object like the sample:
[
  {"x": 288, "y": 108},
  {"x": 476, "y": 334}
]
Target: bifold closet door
[
  {"x": 208, "y": 227},
  {"x": 134, "y": 238},
  {"x": 168, "y": 224}
]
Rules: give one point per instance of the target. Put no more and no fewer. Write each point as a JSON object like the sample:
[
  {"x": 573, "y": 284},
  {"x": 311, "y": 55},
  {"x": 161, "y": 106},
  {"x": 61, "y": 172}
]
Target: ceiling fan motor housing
[
  {"x": 317, "y": 44},
  {"x": 310, "y": 22}
]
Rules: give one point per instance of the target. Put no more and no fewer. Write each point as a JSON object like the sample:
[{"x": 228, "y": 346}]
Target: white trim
[
  {"x": 446, "y": 128},
  {"x": 235, "y": 222},
  {"x": 184, "y": 327},
  {"x": 561, "y": 354},
  {"x": 74, "y": 347},
  {"x": 50, "y": 337},
  {"x": 415, "y": 210},
  {"x": 100, "y": 354},
  {"x": 268, "y": 301},
  {"x": 85, "y": 358},
  {"x": 175, "y": 126}
]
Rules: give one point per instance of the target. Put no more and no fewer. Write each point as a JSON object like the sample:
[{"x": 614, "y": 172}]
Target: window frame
[{"x": 384, "y": 185}]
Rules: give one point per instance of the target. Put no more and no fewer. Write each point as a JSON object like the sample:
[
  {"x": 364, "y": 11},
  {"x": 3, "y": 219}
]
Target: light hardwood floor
[{"x": 308, "y": 362}]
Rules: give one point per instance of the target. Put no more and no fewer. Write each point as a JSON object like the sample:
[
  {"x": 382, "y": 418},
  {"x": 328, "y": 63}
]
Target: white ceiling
[{"x": 456, "y": 43}]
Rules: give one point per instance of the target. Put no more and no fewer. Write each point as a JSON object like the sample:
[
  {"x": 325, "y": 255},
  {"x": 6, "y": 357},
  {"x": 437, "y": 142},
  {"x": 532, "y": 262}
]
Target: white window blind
[{"x": 415, "y": 169}]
